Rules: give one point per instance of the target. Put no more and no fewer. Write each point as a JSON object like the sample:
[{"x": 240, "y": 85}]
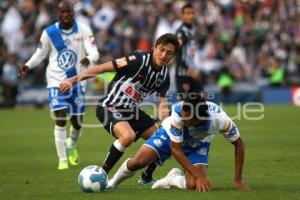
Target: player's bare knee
[
  {"x": 76, "y": 125},
  {"x": 141, "y": 162},
  {"x": 127, "y": 139},
  {"x": 76, "y": 122}
]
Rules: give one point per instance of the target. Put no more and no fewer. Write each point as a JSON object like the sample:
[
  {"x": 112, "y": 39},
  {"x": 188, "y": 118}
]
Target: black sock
[
  {"x": 148, "y": 171},
  {"x": 113, "y": 156}
]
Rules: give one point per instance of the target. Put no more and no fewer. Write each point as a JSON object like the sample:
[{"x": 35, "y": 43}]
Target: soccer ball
[{"x": 92, "y": 179}]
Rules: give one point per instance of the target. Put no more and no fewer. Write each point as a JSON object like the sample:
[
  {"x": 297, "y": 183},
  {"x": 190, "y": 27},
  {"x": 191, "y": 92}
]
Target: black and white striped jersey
[
  {"x": 135, "y": 79},
  {"x": 186, "y": 54}
]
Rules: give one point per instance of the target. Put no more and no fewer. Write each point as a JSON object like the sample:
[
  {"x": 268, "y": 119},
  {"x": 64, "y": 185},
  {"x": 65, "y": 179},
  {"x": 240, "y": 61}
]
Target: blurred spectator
[
  {"x": 244, "y": 35},
  {"x": 9, "y": 81},
  {"x": 276, "y": 72},
  {"x": 188, "y": 78},
  {"x": 12, "y": 34}
]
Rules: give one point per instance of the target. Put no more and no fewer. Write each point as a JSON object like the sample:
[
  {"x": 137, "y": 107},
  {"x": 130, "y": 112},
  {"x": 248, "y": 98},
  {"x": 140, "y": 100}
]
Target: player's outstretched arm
[
  {"x": 88, "y": 73},
  {"x": 163, "y": 108},
  {"x": 239, "y": 162},
  {"x": 202, "y": 183}
]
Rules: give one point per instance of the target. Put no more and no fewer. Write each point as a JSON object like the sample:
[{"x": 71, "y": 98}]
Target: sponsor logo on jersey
[
  {"x": 54, "y": 102},
  {"x": 131, "y": 58},
  {"x": 159, "y": 81},
  {"x": 66, "y": 59},
  {"x": 117, "y": 115},
  {"x": 67, "y": 42},
  {"x": 121, "y": 62},
  {"x": 133, "y": 93},
  {"x": 202, "y": 151},
  {"x": 157, "y": 142}
]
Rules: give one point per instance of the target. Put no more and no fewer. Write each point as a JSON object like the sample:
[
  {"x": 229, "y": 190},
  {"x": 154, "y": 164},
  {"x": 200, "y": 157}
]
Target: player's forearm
[
  {"x": 92, "y": 72},
  {"x": 36, "y": 59},
  {"x": 163, "y": 109},
  {"x": 239, "y": 159},
  {"x": 184, "y": 162}
]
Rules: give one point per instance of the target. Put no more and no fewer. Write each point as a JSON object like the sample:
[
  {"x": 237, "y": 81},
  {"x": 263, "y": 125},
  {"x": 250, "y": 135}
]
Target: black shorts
[{"x": 138, "y": 119}]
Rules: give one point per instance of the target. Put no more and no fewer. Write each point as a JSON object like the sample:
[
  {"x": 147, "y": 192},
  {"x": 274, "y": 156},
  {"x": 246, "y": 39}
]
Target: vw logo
[{"x": 66, "y": 59}]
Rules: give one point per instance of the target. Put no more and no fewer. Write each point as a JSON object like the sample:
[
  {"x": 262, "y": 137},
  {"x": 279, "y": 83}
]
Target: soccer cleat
[
  {"x": 165, "y": 182},
  {"x": 121, "y": 175},
  {"x": 109, "y": 184},
  {"x": 63, "y": 164},
  {"x": 73, "y": 156},
  {"x": 146, "y": 182}
]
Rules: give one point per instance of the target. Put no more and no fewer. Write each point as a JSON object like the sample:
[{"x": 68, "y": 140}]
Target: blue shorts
[
  {"x": 73, "y": 100},
  {"x": 160, "y": 143}
]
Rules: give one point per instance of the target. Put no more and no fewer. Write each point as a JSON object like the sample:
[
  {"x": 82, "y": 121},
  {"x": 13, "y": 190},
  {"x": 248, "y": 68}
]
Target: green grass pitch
[{"x": 28, "y": 159}]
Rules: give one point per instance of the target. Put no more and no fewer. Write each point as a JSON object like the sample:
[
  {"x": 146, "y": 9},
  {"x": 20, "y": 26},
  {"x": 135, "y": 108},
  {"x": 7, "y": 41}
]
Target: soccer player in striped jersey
[
  {"x": 69, "y": 45},
  {"x": 137, "y": 75},
  {"x": 187, "y": 78},
  {"x": 187, "y": 135}
]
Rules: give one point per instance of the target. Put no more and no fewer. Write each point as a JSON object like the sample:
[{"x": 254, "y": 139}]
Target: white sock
[
  {"x": 119, "y": 146},
  {"x": 60, "y": 135},
  {"x": 178, "y": 181},
  {"x": 74, "y": 135},
  {"x": 121, "y": 175}
]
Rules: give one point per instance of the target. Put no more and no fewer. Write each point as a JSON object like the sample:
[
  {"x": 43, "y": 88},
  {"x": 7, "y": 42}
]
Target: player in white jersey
[
  {"x": 69, "y": 45},
  {"x": 186, "y": 135}
]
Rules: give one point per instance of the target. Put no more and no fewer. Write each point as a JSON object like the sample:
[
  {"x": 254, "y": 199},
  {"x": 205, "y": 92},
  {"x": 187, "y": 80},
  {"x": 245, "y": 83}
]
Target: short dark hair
[
  {"x": 186, "y": 6},
  {"x": 168, "y": 38},
  {"x": 198, "y": 101}
]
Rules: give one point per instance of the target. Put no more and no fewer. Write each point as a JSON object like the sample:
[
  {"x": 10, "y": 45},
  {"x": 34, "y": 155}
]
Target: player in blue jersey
[
  {"x": 68, "y": 45},
  {"x": 186, "y": 135}
]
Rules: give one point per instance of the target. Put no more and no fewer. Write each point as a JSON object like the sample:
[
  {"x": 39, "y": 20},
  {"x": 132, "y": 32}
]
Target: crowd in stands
[{"x": 248, "y": 40}]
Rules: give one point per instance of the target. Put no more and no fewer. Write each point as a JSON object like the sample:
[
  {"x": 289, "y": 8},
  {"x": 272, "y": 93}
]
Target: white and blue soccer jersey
[
  {"x": 217, "y": 122},
  {"x": 195, "y": 140},
  {"x": 65, "y": 49}
]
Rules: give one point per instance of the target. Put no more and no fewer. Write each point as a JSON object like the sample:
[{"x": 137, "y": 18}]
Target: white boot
[
  {"x": 121, "y": 175},
  {"x": 165, "y": 182}
]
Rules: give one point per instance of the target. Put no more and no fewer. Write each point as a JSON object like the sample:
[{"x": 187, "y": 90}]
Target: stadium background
[
  {"x": 255, "y": 42},
  {"x": 249, "y": 39}
]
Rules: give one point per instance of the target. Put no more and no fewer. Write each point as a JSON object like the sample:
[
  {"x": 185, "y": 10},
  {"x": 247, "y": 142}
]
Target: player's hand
[
  {"x": 23, "y": 71},
  {"x": 239, "y": 185},
  {"x": 85, "y": 62},
  {"x": 202, "y": 184},
  {"x": 65, "y": 86}
]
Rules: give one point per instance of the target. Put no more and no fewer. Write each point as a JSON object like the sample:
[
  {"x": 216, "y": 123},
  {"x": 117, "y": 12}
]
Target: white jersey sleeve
[
  {"x": 174, "y": 124},
  {"x": 90, "y": 46},
  {"x": 228, "y": 128},
  {"x": 41, "y": 52}
]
